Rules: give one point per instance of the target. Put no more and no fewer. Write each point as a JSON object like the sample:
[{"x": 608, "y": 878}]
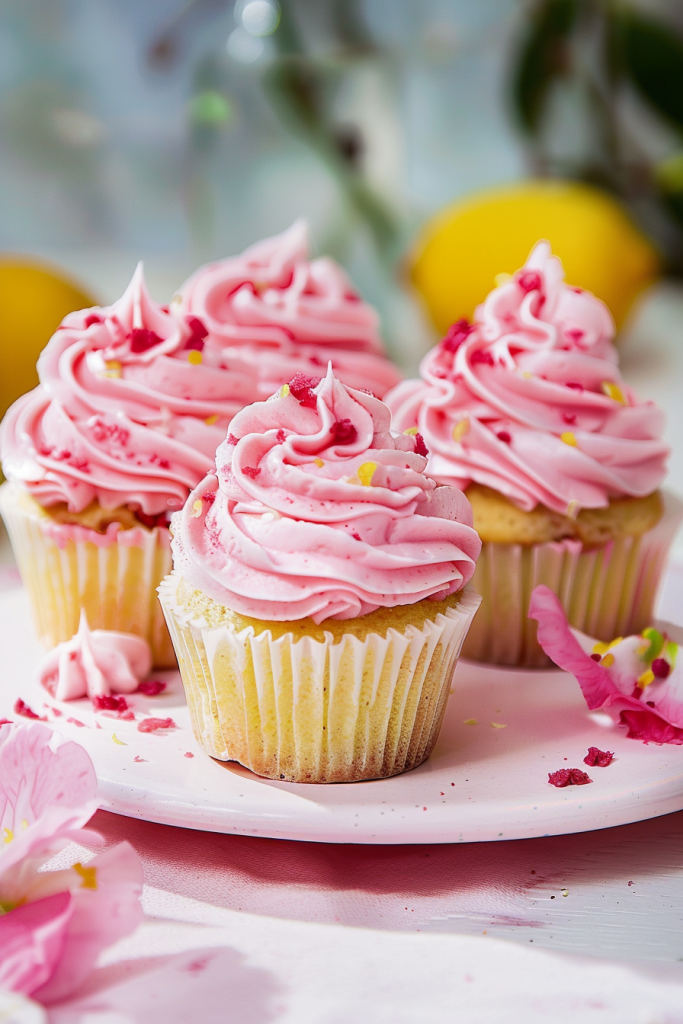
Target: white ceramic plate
[{"x": 483, "y": 782}]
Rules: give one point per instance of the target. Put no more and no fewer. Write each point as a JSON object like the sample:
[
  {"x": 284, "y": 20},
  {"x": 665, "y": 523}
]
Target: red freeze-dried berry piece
[
  {"x": 568, "y": 777},
  {"x": 92, "y": 318},
  {"x": 251, "y": 471},
  {"x": 529, "y": 281},
  {"x": 574, "y": 384},
  {"x": 420, "y": 446},
  {"x": 209, "y": 497},
  {"x": 660, "y": 668},
  {"x": 280, "y": 437},
  {"x": 155, "y": 724},
  {"x": 151, "y": 688},
  {"x": 141, "y": 339},
  {"x": 481, "y": 356},
  {"x": 20, "y": 708},
  {"x": 343, "y": 432},
  {"x": 6, "y": 721},
  {"x": 596, "y": 757},
  {"x": 503, "y": 436},
  {"x": 151, "y": 521},
  {"x": 456, "y": 334},
  {"x": 596, "y": 657},
  {"x": 232, "y": 439},
  {"x": 301, "y": 386},
  {"x": 109, "y": 702},
  {"x": 198, "y": 333}
]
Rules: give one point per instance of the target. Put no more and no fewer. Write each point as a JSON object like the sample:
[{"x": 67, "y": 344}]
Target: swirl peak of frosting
[
  {"x": 317, "y": 509},
  {"x": 304, "y": 312},
  {"x": 529, "y": 401},
  {"x": 95, "y": 663}
]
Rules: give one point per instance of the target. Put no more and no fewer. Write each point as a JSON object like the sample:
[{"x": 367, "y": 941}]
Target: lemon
[
  {"x": 462, "y": 249},
  {"x": 34, "y": 297}
]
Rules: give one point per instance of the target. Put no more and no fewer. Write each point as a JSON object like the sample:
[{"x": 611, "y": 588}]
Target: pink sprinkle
[
  {"x": 503, "y": 436},
  {"x": 569, "y": 417},
  {"x": 110, "y": 702},
  {"x": 92, "y": 318},
  {"x": 251, "y": 471},
  {"x": 631, "y": 883},
  {"x": 151, "y": 688},
  {"x": 301, "y": 387},
  {"x": 529, "y": 281},
  {"x": 155, "y": 724},
  {"x": 20, "y": 708},
  {"x": 75, "y": 721},
  {"x": 660, "y": 668},
  {"x": 139, "y": 759},
  {"x": 420, "y": 446},
  {"x": 576, "y": 334},
  {"x": 456, "y": 334},
  {"x": 343, "y": 432},
  {"x": 596, "y": 757},
  {"x": 198, "y": 333},
  {"x": 481, "y": 356},
  {"x": 568, "y": 777},
  {"x": 188, "y": 753},
  {"x": 575, "y": 385}
]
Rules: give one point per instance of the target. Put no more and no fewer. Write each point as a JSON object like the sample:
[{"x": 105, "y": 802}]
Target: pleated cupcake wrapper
[
  {"x": 307, "y": 710},
  {"x": 113, "y": 577},
  {"x": 606, "y": 592}
]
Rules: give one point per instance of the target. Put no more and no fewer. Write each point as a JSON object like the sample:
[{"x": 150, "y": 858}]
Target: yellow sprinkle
[
  {"x": 210, "y": 420},
  {"x": 613, "y": 391},
  {"x": 565, "y": 892},
  {"x": 573, "y": 508},
  {"x": 607, "y": 661},
  {"x": 9, "y": 835},
  {"x": 470, "y": 721},
  {"x": 411, "y": 430},
  {"x": 499, "y": 725},
  {"x": 284, "y": 391},
  {"x": 116, "y": 740},
  {"x": 24, "y": 823},
  {"x": 646, "y": 678},
  {"x": 527, "y": 375},
  {"x": 194, "y": 357},
  {"x": 319, "y": 463},
  {"x": 112, "y": 368},
  {"x": 460, "y": 429},
  {"x": 197, "y": 508},
  {"x": 89, "y": 876},
  {"x": 569, "y": 439},
  {"x": 501, "y": 279},
  {"x": 600, "y": 648},
  {"x": 613, "y": 643},
  {"x": 366, "y": 473}
]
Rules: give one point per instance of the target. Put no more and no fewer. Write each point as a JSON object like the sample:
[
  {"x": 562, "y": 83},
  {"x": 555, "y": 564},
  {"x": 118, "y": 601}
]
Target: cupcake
[
  {"x": 282, "y": 314},
  {"x": 124, "y": 423},
  {"x": 316, "y": 603},
  {"x": 525, "y": 409}
]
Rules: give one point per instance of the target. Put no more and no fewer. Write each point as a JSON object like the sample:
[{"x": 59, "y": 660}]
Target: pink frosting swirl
[
  {"x": 317, "y": 509},
  {"x": 130, "y": 409},
  {"x": 289, "y": 314},
  {"x": 95, "y": 663},
  {"x": 529, "y": 400}
]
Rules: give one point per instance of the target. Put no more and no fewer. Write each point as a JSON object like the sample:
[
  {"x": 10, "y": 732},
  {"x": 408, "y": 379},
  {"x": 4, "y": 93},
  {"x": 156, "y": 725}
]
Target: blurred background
[{"x": 428, "y": 142}]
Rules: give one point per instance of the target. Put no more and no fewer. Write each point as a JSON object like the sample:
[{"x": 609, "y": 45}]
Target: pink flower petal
[
  {"x": 32, "y": 941},
  {"x": 663, "y": 724}
]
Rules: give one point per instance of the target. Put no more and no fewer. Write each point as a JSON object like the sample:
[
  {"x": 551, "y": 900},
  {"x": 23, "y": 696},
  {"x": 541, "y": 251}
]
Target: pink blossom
[
  {"x": 622, "y": 678},
  {"x": 54, "y": 924}
]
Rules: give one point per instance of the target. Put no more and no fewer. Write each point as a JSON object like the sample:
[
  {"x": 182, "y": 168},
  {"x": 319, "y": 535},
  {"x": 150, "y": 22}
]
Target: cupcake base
[
  {"x": 309, "y": 710},
  {"x": 112, "y": 576},
  {"x": 607, "y": 591}
]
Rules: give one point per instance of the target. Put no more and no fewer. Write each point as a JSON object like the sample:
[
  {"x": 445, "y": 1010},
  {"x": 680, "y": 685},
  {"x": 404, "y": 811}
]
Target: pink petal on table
[
  {"x": 32, "y": 942},
  {"x": 101, "y": 915},
  {"x": 599, "y": 689}
]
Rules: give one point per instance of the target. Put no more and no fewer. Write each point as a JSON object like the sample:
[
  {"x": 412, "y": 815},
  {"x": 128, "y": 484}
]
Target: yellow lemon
[
  {"x": 34, "y": 298},
  {"x": 461, "y": 250}
]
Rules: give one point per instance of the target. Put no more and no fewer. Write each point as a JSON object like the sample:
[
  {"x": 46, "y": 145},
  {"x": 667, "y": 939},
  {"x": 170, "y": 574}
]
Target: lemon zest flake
[
  {"x": 88, "y": 875},
  {"x": 210, "y": 420},
  {"x": 194, "y": 357},
  {"x": 112, "y": 369},
  {"x": 607, "y": 661},
  {"x": 613, "y": 391},
  {"x": 9, "y": 835},
  {"x": 284, "y": 391},
  {"x": 499, "y": 725},
  {"x": 647, "y": 677},
  {"x": 366, "y": 472},
  {"x": 118, "y": 741},
  {"x": 568, "y": 438},
  {"x": 470, "y": 721},
  {"x": 460, "y": 429},
  {"x": 319, "y": 463},
  {"x": 411, "y": 430}
]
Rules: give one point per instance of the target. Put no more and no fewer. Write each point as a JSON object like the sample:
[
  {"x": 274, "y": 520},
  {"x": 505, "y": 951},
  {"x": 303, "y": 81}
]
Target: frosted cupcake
[
  {"x": 124, "y": 423},
  {"x": 282, "y": 313},
  {"x": 526, "y": 411},
  {"x": 316, "y": 603}
]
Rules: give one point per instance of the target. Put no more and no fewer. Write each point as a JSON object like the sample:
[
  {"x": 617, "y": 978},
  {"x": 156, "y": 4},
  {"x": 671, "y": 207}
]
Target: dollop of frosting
[
  {"x": 130, "y": 409},
  {"x": 317, "y": 509},
  {"x": 528, "y": 400},
  {"x": 95, "y": 663},
  {"x": 289, "y": 314}
]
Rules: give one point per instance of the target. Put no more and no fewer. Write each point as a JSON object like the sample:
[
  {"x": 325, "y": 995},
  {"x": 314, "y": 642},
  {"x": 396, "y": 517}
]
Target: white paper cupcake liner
[
  {"x": 606, "y": 592},
  {"x": 113, "y": 576},
  {"x": 318, "y": 711}
]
